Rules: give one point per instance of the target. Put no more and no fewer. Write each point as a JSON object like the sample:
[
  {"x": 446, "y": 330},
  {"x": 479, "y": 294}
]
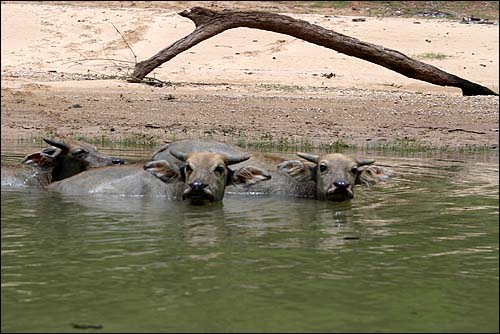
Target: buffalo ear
[
  {"x": 372, "y": 175},
  {"x": 297, "y": 170},
  {"x": 39, "y": 160},
  {"x": 52, "y": 151},
  {"x": 248, "y": 175},
  {"x": 162, "y": 170}
]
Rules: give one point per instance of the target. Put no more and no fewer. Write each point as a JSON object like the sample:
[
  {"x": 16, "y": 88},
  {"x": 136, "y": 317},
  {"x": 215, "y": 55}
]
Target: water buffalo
[
  {"x": 334, "y": 175},
  {"x": 186, "y": 170},
  {"x": 60, "y": 161},
  {"x": 329, "y": 177}
]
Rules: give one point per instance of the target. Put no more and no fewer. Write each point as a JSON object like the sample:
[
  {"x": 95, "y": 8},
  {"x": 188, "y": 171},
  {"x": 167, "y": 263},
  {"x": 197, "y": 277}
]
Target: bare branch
[
  {"x": 128, "y": 45},
  {"x": 210, "y": 23},
  {"x": 81, "y": 61}
]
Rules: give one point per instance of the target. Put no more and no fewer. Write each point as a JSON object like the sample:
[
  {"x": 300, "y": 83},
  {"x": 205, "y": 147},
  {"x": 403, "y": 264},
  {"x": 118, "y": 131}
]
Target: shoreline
[{"x": 243, "y": 85}]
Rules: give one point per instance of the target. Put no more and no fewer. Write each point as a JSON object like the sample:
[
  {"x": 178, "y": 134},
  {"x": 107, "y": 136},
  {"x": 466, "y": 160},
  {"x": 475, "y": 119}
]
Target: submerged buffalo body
[
  {"x": 327, "y": 177},
  {"x": 187, "y": 169},
  {"x": 60, "y": 161}
]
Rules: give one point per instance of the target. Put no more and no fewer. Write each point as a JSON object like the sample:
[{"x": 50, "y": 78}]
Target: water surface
[{"x": 418, "y": 253}]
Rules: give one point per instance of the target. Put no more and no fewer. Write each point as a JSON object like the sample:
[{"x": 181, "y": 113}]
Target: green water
[{"x": 418, "y": 253}]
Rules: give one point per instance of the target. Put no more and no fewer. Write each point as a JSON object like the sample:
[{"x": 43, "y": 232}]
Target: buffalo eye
[
  {"x": 355, "y": 170},
  {"x": 188, "y": 168},
  {"x": 219, "y": 169},
  {"x": 322, "y": 168},
  {"x": 80, "y": 152}
]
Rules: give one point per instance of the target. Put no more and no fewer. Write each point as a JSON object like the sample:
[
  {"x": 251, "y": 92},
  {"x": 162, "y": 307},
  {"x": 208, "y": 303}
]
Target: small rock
[
  {"x": 328, "y": 75},
  {"x": 167, "y": 97}
]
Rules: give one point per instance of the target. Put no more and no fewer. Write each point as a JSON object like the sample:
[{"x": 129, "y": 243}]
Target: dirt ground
[{"x": 62, "y": 66}]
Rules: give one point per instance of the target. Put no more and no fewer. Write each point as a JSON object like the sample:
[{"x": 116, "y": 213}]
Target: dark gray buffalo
[
  {"x": 60, "y": 161},
  {"x": 193, "y": 170}
]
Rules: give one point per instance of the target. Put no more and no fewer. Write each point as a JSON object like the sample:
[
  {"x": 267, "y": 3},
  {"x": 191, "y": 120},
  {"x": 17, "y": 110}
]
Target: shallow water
[{"x": 418, "y": 253}]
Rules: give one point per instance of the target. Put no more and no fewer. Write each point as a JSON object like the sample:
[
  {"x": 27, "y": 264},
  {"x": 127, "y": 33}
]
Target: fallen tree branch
[{"x": 210, "y": 23}]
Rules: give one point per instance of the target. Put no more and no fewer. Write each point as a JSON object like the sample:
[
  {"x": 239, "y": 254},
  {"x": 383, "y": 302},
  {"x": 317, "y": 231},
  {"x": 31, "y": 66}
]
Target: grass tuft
[{"x": 431, "y": 55}]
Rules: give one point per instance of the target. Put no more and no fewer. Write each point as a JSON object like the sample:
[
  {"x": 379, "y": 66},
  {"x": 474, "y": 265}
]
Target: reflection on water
[{"x": 417, "y": 253}]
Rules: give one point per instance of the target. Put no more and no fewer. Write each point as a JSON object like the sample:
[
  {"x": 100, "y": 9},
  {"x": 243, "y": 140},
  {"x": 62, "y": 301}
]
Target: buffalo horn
[
  {"x": 237, "y": 159},
  {"x": 362, "y": 162},
  {"x": 179, "y": 155},
  {"x": 308, "y": 157},
  {"x": 58, "y": 144}
]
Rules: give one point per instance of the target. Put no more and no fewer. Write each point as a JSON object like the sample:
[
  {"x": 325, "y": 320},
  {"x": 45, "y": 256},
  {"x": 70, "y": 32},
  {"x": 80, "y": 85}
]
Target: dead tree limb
[{"x": 210, "y": 23}]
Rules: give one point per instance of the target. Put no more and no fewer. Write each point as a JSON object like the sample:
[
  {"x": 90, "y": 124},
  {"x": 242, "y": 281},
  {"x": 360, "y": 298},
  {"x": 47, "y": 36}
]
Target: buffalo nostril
[
  {"x": 341, "y": 184},
  {"x": 117, "y": 161},
  {"x": 197, "y": 185}
]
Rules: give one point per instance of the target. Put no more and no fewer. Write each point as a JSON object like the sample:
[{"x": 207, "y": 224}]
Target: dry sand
[{"x": 241, "y": 84}]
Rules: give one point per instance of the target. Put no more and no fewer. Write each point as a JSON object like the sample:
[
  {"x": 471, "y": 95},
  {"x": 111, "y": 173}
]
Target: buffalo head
[
  {"x": 334, "y": 174},
  {"x": 69, "y": 158},
  {"x": 205, "y": 175}
]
